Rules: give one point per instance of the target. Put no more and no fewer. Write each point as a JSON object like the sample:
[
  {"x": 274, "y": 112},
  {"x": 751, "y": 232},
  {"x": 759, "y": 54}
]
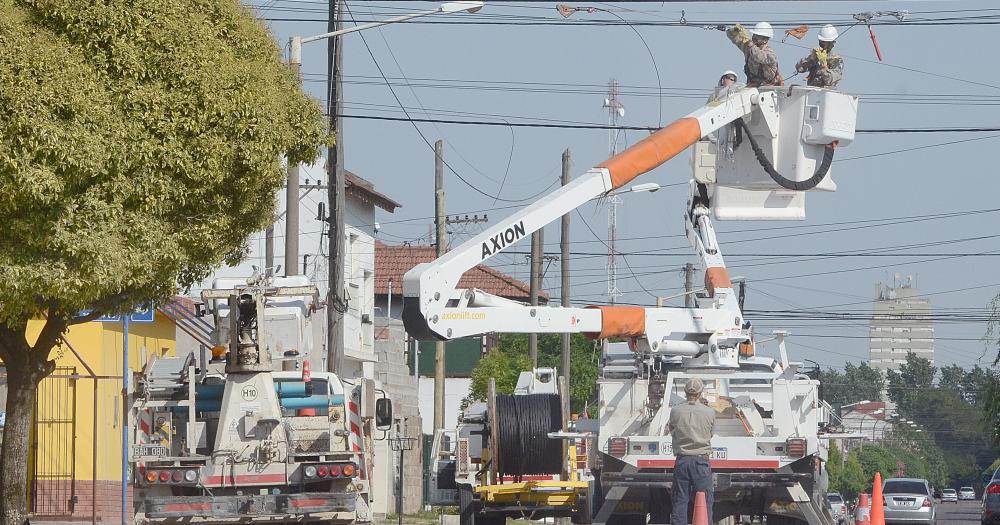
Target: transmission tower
[{"x": 615, "y": 111}]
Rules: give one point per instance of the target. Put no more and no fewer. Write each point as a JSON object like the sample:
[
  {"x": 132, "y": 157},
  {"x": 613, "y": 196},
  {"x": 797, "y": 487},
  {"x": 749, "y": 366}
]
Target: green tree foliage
[
  {"x": 510, "y": 357},
  {"x": 140, "y": 146},
  {"x": 906, "y": 385},
  {"x": 856, "y": 383},
  {"x": 845, "y": 473}
]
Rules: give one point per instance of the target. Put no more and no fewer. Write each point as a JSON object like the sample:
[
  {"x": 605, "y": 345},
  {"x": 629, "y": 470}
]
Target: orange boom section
[
  {"x": 620, "y": 321},
  {"x": 652, "y": 151}
]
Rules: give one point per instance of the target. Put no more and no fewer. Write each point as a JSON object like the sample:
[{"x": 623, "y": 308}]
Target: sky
[{"x": 920, "y": 204}]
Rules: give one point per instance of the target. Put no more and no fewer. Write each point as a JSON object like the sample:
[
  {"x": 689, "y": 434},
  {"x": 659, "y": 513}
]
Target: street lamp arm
[{"x": 362, "y": 27}]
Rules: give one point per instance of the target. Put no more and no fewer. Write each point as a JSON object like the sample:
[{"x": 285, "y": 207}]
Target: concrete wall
[
  {"x": 455, "y": 390},
  {"x": 393, "y": 373}
]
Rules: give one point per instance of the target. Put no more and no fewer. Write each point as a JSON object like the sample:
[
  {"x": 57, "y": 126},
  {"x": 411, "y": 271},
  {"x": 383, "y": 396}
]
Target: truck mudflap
[{"x": 270, "y": 505}]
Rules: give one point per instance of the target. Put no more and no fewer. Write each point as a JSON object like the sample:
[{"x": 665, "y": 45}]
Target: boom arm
[{"x": 435, "y": 309}]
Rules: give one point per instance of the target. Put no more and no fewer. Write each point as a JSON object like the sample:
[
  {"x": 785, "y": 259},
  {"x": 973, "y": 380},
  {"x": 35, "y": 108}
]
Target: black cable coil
[
  {"x": 523, "y": 424},
  {"x": 806, "y": 185}
]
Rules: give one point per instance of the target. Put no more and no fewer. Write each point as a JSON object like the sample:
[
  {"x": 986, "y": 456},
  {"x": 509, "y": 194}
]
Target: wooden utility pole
[
  {"x": 336, "y": 304},
  {"x": 689, "y": 299},
  {"x": 440, "y": 223},
  {"x": 564, "y": 269},
  {"x": 535, "y": 285}
]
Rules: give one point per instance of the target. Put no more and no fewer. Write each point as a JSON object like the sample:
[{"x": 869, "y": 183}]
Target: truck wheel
[{"x": 466, "y": 506}]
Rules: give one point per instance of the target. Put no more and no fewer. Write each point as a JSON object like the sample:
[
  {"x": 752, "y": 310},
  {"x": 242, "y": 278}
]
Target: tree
[
  {"x": 856, "y": 383},
  {"x": 510, "y": 357},
  {"x": 905, "y": 385},
  {"x": 140, "y": 146}
]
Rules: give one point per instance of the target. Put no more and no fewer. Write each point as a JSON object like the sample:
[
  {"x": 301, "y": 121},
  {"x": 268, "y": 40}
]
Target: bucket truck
[
  {"x": 252, "y": 435},
  {"x": 767, "y": 147}
]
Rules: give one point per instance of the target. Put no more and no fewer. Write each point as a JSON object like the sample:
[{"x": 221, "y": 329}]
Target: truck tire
[{"x": 466, "y": 506}]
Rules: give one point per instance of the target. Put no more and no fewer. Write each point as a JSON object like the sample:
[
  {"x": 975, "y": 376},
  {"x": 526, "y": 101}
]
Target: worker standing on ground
[
  {"x": 825, "y": 69},
  {"x": 761, "y": 63},
  {"x": 690, "y": 426}
]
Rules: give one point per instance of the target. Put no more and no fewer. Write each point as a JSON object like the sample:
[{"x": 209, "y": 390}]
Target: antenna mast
[{"x": 615, "y": 111}]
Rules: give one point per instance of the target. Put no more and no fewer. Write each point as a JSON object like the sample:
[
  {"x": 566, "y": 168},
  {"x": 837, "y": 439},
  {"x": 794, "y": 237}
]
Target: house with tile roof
[{"x": 392, "y": 262}]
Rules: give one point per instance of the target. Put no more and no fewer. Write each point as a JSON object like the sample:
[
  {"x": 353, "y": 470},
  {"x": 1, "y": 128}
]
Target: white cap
[
  {"x": 828, "y": 33},
  {"x": 730, "y": 72},
  {"x": 762, "y": 29},
  {"x": 694, "y": 387}
]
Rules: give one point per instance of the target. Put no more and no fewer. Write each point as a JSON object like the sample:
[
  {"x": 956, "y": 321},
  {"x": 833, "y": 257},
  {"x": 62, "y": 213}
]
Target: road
[{"x": 961, "y": 513}]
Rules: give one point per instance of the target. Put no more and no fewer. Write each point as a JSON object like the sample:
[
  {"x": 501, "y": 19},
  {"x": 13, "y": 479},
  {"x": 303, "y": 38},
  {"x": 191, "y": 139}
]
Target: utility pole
[
  {"x": 335, "y": 303},
  {"x": 535, "y": 284},
  {"x": 689, "y": 299},
  {"x": 564, "y": 271},
  {"x": 292, "y": 207},
  {"x": 440, "y": 223},
  {"x": 269, "y": 248}
]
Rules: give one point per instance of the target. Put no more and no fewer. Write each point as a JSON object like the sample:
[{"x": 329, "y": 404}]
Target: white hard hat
[
  {"x": 763, "y": 29},
  {"x": 729, "y": 72},
  {"x": 828, "y": 33}
]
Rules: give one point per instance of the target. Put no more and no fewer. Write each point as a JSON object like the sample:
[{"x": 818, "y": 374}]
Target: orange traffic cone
[
  {"x": 861, "y": 514},
  {"x": 700, "y": 510},
  {"x": 878, "y": 512}
]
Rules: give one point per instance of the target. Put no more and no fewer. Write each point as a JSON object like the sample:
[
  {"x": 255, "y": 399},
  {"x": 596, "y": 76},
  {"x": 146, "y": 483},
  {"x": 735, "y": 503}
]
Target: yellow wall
[{"x": 100, "y": 346}]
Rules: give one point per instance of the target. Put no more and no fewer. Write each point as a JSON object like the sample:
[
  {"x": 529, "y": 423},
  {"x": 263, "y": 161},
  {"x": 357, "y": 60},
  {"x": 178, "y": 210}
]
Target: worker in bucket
[
  {"x": 729, "y": 83},
  {"x": 825, "y": 68},
  {"x": 761, "y": 63},
  {"x": 691, "y": 425}
]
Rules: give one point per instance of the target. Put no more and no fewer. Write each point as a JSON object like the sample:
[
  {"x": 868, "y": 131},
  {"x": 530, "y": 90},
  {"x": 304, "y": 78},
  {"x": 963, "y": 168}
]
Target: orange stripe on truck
[
  {"x": 716, "y": 277},
  {"x": 652, "y": 151},
  {"x": 620, "y": 321}
]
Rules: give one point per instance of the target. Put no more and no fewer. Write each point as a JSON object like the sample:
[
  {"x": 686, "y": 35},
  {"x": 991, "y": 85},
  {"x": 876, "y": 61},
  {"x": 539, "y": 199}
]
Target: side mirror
[{"x": 383, "y": 413}]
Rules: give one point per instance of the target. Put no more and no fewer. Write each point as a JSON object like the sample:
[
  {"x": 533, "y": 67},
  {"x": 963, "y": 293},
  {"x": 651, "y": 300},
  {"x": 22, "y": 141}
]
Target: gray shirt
[{"x": 691, "y": 426}]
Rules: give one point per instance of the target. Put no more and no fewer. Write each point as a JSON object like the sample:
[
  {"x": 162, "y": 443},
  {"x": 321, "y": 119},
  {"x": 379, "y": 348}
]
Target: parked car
[
  {"x": 909, "y": 501},
  {"x": 949, "y": 495},
  {"x": 838, "y": 507},
  {"x": 967, "y": 493},
  {"x": 991, "y": 501}
]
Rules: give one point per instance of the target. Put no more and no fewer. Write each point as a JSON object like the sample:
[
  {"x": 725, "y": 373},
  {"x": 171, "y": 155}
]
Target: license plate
[
  {"x": 720, "y": 452},
  {"x": 157, "y": 451}
]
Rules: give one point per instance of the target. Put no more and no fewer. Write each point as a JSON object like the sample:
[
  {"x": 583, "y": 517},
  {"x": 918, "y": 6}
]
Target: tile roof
[
  {"x": 391, "y": 262},
  {"x": 366, "y": 190}
]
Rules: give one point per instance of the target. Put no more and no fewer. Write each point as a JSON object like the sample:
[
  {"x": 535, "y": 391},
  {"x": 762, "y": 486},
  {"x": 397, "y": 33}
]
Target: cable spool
[{"x": 523, "y": 423}]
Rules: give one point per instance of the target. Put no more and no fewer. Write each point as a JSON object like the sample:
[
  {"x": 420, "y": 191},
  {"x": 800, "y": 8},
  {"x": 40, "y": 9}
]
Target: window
[{"x": 904, "y": 487}]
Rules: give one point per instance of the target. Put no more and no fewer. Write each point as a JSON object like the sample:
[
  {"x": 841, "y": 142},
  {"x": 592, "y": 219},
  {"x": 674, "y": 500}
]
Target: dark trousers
[{"x": 692, "y": 474}]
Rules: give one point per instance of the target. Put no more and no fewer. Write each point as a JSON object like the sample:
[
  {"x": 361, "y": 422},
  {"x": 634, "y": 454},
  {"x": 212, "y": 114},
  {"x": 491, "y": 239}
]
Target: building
[
  {"x": 74, "y": 470},
  {"x": 900, "y": 324},
  {"x": 461, "y": 355}
]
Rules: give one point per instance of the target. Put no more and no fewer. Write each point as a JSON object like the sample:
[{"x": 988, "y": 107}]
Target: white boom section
[{"x": 435, "y": 309}]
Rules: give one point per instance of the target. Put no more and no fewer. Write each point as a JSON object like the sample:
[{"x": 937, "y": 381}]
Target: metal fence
[{"x": 53, "y": 445}]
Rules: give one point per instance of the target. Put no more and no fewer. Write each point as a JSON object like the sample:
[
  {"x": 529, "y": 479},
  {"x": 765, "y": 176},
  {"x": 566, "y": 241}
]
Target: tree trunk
[{"x": 21, "y": 387}]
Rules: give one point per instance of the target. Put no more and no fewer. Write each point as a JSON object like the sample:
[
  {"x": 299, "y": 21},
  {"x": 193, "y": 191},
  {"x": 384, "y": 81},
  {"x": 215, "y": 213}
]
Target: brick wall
[{"x": 52, "y": 500}]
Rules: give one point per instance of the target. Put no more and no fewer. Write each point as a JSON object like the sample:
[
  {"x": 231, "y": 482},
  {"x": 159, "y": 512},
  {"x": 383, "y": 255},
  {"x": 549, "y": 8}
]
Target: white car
[
  {"x": 967, "y": 493},
  {"x": 949, "y": 495}
]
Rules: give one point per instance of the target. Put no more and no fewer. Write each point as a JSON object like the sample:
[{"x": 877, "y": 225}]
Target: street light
[
  {"x": 335, "y": 170},
  {"x": 650, "y": 187}
]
